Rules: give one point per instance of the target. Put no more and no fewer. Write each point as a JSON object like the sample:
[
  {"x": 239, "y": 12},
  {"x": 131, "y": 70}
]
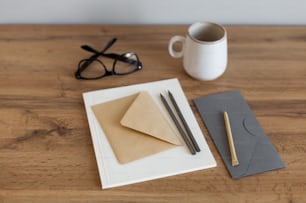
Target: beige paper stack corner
[{"x": 135, "y": 127}]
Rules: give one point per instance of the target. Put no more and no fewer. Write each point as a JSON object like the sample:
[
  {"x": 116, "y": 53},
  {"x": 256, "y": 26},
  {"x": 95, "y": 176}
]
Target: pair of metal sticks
[{"x": 188, "y": 138}]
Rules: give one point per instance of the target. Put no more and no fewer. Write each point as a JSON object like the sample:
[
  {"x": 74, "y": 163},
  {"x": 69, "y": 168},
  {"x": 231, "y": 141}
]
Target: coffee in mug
[{"x": 204, "y": 50}]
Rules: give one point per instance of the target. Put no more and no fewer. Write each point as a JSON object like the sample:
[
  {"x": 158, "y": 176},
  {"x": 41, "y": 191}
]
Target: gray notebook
[{"x": 254, "y": 150}]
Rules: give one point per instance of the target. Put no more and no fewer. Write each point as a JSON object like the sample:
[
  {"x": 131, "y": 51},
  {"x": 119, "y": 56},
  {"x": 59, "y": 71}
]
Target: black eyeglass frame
[{"x": 85, "y": 63}]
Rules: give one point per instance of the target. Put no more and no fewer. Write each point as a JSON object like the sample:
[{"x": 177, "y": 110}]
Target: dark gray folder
[{"x": 254, "y": 150}]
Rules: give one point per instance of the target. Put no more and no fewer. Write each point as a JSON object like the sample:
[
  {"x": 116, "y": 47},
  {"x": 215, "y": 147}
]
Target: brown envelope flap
[
  {"x": 127, "y": 144},
  {"x": 145, "y": 116}
]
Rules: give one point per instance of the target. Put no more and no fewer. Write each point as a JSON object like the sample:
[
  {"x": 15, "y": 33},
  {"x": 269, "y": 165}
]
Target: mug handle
[{"x": 172, "y": 52}]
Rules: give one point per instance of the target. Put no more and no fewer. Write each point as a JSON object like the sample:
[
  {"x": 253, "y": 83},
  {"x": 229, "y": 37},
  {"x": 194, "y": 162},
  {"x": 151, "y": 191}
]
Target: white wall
[{"x": 152, "y": 11}]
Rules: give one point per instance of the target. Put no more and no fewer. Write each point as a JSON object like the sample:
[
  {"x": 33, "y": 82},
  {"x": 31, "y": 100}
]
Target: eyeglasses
[{"x": 92, "y": 68}]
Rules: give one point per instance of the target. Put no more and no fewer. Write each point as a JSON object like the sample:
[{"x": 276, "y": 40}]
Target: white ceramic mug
[{"x": 204, "y": 50}]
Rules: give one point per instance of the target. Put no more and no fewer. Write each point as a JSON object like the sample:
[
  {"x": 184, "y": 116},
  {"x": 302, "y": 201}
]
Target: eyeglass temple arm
[
  {"x": 101, "y": 53},
  {"x": 110, "y": 55},
  {"x": 107, "y": 46},
  {"x": 96, "y": 53},
  {"x": 92, "y": 50}
]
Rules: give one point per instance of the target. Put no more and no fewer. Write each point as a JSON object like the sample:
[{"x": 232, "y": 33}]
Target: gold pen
[{"x": 235, "y": 161}]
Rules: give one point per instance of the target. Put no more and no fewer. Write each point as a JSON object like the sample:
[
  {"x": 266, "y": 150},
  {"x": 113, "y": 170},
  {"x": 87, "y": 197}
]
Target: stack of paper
[{"x": 176, "y": 160}]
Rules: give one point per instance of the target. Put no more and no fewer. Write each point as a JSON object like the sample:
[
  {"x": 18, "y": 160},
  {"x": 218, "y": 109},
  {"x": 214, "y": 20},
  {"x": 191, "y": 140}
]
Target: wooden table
[{"x": 46, "y": 151}]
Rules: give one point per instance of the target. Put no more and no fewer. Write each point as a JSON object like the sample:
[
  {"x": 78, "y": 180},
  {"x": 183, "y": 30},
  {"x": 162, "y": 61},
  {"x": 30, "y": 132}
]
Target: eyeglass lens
[
  {"x": 95, "y": 69},
  {"x": 129, "y": 65}
]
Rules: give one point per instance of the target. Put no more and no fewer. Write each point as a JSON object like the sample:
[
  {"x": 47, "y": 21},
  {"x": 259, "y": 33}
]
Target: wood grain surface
[{"x": 46, "y": 151}]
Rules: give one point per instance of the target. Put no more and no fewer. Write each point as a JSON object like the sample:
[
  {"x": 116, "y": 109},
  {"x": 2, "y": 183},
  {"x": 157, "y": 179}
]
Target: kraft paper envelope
[
  {"x": 255, "y": 152},
  {"x": 135, "y": 127}
]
